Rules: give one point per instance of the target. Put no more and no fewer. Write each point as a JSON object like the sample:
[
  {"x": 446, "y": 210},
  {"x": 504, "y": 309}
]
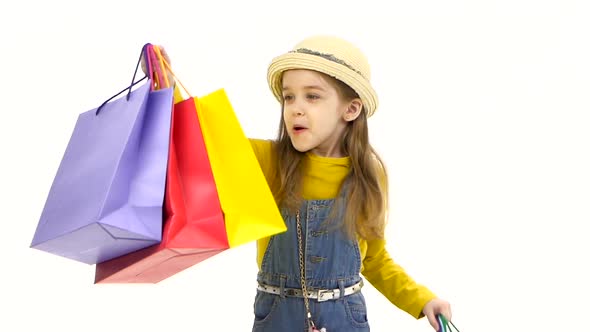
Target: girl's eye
[
  {"x": 312, "y": 96},
  {"x": 287, "y": 97}
]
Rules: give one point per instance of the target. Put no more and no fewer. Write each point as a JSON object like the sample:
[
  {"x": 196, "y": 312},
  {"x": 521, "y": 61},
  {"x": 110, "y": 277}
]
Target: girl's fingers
[
  {"x": 165, "y": 55},
  {"x": 433, "y": 322},
  {"x": 143, "y": 65}
]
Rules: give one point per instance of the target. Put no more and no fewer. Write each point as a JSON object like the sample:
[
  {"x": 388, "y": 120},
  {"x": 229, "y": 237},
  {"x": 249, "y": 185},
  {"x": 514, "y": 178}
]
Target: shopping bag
[
  {"x": 194, "y": 228},
  {"x": 248, "y": 205},
  {"x": 107, "y": 197}
]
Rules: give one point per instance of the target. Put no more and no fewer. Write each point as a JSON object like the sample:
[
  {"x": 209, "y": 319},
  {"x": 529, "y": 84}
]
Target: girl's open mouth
[{"x": 298, "y": 129}]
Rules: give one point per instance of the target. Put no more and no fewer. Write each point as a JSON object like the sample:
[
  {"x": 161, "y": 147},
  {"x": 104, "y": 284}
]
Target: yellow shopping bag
[{"x": 246, "y": 200}]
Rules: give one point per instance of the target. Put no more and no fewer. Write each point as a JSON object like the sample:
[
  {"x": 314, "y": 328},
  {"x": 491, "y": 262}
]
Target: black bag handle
[{"x": 133, "y": 83}]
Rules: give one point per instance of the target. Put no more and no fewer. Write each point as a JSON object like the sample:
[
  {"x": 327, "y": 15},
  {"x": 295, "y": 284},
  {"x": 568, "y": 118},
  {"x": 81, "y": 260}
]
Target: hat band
[{"x": 329, "y": 57}]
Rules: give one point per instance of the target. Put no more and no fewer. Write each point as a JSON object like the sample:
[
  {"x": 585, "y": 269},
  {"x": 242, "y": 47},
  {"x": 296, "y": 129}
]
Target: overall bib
[{"x": 332, "y": 261}]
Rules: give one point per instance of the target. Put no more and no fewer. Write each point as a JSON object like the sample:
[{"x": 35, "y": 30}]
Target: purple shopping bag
[{"x": 107, "y": 197}]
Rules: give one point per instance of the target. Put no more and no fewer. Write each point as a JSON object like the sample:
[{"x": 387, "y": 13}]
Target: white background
[{"x": 483, "y": 123}]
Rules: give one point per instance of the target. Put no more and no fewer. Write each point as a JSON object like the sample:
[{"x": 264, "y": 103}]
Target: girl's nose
[{"x": 296, "y": 109}]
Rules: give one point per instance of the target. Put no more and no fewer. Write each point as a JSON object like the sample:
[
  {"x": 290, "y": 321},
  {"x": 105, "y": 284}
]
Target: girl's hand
[
  {"x": 435, "y": 307},
  {"x": 167, "y": 58}
]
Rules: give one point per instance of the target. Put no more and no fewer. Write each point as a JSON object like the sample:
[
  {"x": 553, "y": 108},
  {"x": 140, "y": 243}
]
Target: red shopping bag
[{"x": 194, "y": 227}]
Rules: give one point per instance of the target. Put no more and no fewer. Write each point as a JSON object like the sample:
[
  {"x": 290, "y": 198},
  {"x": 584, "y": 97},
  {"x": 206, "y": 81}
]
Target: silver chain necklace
[{"x": 310, "y": 323}]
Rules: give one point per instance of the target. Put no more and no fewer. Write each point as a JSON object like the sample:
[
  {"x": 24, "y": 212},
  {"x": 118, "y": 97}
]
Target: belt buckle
[{"x": 322, "y": 294}]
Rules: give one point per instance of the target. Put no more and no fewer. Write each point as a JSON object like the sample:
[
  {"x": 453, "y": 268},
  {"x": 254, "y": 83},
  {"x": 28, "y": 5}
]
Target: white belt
[{"x": 320, "y": 294}]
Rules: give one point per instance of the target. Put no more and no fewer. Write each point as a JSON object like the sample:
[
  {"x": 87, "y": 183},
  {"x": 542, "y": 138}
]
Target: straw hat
[{"x": 332, "y": 56}]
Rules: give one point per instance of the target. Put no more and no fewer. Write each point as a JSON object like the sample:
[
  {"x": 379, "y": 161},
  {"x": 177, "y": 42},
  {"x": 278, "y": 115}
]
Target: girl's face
[{"x": 315, "y": 114}]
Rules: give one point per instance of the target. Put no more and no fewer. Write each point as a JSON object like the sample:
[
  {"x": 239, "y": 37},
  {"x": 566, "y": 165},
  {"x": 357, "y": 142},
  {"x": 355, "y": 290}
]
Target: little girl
[{"x": 331, "y": 187}]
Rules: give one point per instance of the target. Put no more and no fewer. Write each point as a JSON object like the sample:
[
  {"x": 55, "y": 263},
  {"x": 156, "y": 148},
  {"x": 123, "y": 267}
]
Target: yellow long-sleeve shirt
[{"x": 322, "y": 181}]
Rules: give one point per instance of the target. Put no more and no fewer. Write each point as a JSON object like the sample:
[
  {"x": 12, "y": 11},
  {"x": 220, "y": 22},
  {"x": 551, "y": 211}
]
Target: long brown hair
[{"x": 366, "y": 184}]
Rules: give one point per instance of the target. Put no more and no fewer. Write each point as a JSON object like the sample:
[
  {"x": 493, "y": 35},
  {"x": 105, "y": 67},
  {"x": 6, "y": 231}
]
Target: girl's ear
[{"x": 353, "y": 110}]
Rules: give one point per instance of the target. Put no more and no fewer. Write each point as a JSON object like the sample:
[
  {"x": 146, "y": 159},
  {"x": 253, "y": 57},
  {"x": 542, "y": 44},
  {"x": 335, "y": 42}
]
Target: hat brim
[{"x": 341, "y": 72}]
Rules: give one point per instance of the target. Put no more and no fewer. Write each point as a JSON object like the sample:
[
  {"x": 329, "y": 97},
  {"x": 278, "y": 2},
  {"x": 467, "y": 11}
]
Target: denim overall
[{"x": 331, "y": 261}]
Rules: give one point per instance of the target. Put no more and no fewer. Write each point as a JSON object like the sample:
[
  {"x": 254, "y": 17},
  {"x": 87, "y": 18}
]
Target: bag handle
[
  {"x": 158, "y": 61},
  {"x": 150, "y": 69},
  {"x": 167, "y": 66},
  {"x": 133, "y": 82},
  {"x": 443, "y": 324},
  {"x": 148, "y": 60},
  {"x": 160, "y": 81}
]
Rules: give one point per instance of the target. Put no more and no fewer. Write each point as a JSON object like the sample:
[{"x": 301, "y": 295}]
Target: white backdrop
[{"x": 483, "y": 123}]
